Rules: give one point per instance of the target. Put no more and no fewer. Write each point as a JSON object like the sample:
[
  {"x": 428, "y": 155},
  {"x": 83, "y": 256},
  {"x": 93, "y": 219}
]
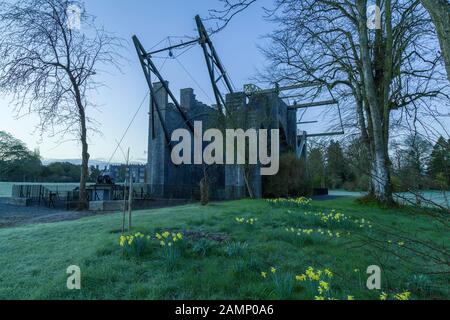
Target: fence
[{"x": 52, "y": 196}]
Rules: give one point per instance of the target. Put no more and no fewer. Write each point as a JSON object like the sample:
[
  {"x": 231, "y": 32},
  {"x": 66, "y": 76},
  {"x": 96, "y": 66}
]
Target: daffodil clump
[
  {"x": 363, "y": 223},
  {"x": 319, "y": 281},
  {"x": 301, "y": 202},
  {"x": 171, "y": 244},
  {"x": 134, "y": 244},
  {"x": 319, "y": 231},
  {"x": 399, "y": 296},
  {"x": 249, "y": 221},
  {"x": 168, "y": 239},
  {"x": 282, "y": 282}
]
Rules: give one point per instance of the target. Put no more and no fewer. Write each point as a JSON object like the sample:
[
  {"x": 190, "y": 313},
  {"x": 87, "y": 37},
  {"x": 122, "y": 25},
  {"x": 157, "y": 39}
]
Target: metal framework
[
  {"x": 213, "y": 63},
  {"x": 215, "y": 69},
  {"x": 217, "y": 74},
  {"x": 149, "y": 68}
]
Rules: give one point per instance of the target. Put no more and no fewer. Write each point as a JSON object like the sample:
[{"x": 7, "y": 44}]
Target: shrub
[{"x": 292, "y": 179}]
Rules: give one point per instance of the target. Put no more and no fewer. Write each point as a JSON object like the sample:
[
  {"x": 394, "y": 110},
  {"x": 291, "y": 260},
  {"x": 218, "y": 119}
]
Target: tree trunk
[
  {"x": 204, "y": 188},
  {"x": 83, "y": 200},
  {"x": 380, "y": 176},
  {"x": 440, "y": 14}
]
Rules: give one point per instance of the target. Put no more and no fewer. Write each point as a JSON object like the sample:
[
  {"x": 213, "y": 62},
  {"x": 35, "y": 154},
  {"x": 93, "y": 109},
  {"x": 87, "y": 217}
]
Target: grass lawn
[{"x": 221, "y": 258}]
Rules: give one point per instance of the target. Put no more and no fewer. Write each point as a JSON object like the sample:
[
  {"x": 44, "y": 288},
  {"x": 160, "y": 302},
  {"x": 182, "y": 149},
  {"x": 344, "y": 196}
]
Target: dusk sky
[{"x": 151, "y": 21}]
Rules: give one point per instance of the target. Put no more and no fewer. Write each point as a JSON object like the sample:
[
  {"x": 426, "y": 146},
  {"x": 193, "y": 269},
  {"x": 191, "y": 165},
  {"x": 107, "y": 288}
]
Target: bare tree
[
  {"x": 385, "y": 77},
  {"x": 440, "y": 14},
  {"x": 439, "y": 11},
  {"x": 49, "y": 66}
]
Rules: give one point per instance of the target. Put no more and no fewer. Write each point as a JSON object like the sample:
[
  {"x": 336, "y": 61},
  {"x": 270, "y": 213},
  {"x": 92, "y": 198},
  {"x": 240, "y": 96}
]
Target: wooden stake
[{"x": 130, "y": 200}]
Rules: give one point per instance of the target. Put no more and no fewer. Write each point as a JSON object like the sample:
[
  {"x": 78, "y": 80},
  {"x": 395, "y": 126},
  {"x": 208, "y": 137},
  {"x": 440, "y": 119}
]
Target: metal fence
[{"x": 52, "y": 196}]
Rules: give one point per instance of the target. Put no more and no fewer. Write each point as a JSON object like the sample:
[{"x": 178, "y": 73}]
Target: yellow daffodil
[
  {"x": 403, "y": 296},
  {"x": 264, "y": 274},
  {"x": 328, "y": 273},
  {"x": 301, "y": 277}
]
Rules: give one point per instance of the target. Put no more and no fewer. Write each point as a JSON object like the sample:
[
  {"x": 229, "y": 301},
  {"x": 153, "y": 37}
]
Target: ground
[
  {"x": 222, "y": 256},
  {"x": 18, "y": 215}
]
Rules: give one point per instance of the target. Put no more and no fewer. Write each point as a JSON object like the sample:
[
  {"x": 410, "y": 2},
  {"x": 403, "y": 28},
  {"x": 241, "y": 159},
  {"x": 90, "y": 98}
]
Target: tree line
[
  {"x": 417, "y": 165},
  {"x": 19, "y": 164}
]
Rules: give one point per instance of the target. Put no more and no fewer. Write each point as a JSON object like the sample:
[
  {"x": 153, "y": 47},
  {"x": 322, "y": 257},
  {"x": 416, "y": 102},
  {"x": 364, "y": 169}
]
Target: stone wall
[{"x": 165, "y": 180}]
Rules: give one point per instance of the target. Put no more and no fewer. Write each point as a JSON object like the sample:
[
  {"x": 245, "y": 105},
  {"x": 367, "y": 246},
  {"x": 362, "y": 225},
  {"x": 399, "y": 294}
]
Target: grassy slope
[{"x": 33, "y": 259}]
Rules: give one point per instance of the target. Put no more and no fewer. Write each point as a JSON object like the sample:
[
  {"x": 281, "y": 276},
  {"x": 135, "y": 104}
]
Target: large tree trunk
[
  {"x": 380, "y": 176},
  {"x": 440, "y": 14}
]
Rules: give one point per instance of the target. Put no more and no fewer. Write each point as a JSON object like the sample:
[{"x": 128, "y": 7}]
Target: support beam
[
  {"x": 312, "y": 104},
  {"x": 338, "y": 133},
  {"x": 213, "y": 62},
  {"x": 173, "y": 47},
  {"x": 307, "y": 122}
]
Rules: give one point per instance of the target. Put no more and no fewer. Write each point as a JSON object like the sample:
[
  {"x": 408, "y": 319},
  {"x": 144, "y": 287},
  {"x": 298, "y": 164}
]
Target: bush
[{"x": 291, "y": 181}]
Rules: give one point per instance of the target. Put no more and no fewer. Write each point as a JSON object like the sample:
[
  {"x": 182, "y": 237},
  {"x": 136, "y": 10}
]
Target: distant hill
[{"x": 93, "y": 162}]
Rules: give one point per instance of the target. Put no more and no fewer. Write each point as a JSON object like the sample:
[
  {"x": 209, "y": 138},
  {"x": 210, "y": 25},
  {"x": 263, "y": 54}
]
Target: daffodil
[
  {"x": 403, "y": 296},
  {"x": 301, "y": 277},
  {"x": 166, "y": 234},
  {"x": 273, "y": 270},
  {"x": 324, "y": 285},
  {"x": 264, "y": 274},
  {"x": 328, "y": 273}
]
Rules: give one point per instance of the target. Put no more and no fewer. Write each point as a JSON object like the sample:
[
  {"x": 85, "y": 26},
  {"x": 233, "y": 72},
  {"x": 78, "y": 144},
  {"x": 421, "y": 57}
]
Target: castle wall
[{"x": 166, "y": 180}]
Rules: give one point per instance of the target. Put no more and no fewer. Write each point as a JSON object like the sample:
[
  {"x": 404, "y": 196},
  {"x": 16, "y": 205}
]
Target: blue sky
[{"x": 151, "y": 21}]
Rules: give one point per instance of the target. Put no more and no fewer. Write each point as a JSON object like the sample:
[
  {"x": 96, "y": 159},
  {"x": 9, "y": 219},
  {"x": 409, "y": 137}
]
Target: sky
[{"x": 151, "y": 21}]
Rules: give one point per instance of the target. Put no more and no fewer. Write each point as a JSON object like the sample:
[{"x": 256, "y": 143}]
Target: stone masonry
[{"x": 261, "y": 111}]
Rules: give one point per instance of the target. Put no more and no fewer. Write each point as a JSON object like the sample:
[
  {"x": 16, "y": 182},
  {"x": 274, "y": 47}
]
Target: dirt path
[{"x": 11, "y": 216}]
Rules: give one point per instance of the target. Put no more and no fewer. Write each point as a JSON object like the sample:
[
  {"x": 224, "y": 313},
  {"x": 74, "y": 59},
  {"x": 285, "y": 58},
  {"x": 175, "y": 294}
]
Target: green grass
[{"x": 222, "y": 259}]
